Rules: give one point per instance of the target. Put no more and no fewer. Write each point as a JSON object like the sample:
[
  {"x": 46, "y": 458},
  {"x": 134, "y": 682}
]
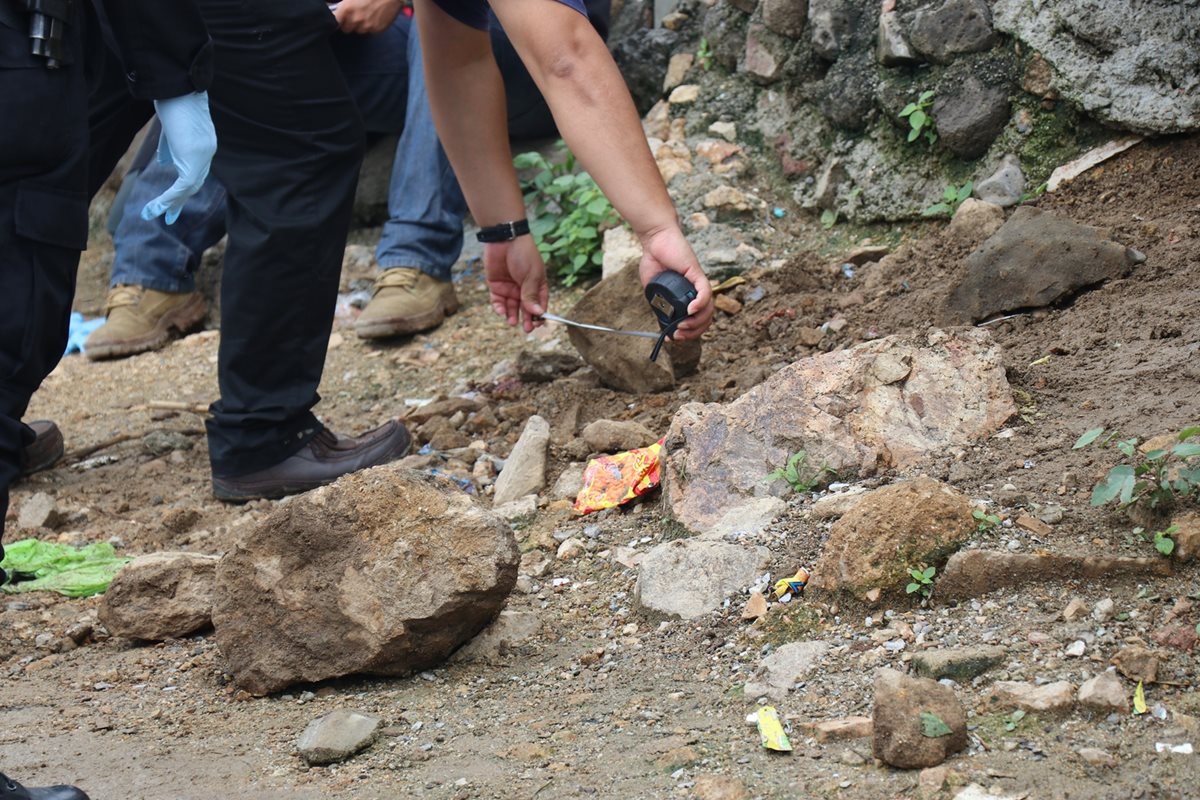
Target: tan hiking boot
[
  {"x": 141, "y": 319},
  {"x": 406, "y": 301}
]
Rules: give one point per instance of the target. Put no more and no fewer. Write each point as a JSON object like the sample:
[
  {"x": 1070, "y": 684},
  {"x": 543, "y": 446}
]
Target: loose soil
[{"x": 607, "y": 702}]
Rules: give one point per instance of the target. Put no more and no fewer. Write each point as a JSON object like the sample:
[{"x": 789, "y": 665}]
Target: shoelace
[
  {"x": 397, "y": 278},
  {"x": 124, "y": 295}
]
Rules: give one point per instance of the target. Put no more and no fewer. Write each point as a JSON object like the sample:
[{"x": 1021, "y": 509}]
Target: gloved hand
[{"x": 189, "y": 141}]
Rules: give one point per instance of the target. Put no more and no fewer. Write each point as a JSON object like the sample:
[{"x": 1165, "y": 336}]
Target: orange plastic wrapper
[{"x": 614, "y": 480}]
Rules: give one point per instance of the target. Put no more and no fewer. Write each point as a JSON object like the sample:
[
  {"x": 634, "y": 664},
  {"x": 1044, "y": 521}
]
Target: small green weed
[
  {"x": 1158, "y": 477},
  {"x": 920, "y": 124},
  {"x": 704, "y": 56},
  {"x": 922, "y": 581},
  {"x": 1033, "y": 193},
  {"x": 986, "y": 521},
  {"x": 568, "y": 212},
  {"x": 1013, "y": 720},
  {"x": 794, "y": 473},
  {"x": 952, "y": 198},
  {"x": 829, "y": 218}
]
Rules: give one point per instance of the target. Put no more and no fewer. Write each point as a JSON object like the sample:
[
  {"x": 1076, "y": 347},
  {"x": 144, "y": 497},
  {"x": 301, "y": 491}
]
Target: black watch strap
[{"x": 504, "y": 232}]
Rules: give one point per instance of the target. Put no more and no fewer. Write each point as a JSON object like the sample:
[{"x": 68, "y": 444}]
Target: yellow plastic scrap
[
  {"x": 793, "y": 585},
  {"x": 771, "y": 730},
  {"x": 613, "y": 480},
  {"x": 1139, "y": 699}
]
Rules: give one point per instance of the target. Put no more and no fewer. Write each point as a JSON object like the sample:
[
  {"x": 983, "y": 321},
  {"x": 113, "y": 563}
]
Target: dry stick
[{"x": 84, "y": 452}]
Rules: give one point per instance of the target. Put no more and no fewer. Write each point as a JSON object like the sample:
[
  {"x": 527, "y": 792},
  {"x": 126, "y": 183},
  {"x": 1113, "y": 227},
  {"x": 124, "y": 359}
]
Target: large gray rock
[
  {"x": 905, "y": 713},
  {"x": 1129, "y": 63},
  {"x": 160, "y": 596},
  {"x": 524, "y": 470},
  {"x": 384, "y": 572},
  {"x": 846, "y": 95},
  {"x": 887, "y": 403},
  {"x": 643, "y": 57},
  {"x": 724, "y": 27},
  {"x": 889, "y": 531},
  {"x": 336, "y": 736},
  {"x": 622, "y": 362},
  {"x": 970, "y": 117},
  {"x": 1034, "y": 260},
  {"x": 690, "y": 577},
  {"x": 954, "y": 27}
]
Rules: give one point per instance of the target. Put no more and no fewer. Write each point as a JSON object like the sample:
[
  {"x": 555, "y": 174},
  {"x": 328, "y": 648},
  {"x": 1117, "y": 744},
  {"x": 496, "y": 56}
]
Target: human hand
[
  {"x": 516, "y": 278},
  {"x": 366, "y": 16},
  {"x": 188, "y": 141},
  {"x": 665, "y": 249}
]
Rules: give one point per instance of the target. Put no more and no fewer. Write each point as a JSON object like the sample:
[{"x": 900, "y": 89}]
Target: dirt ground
[{"x": 606, "y": 702}]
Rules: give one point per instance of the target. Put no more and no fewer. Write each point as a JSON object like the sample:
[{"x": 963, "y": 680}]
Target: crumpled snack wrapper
[{"x": 613, "y": 480}]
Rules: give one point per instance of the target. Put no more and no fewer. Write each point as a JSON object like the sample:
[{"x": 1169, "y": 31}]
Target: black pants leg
[
  {"x": 290, "y": 142},
  {"x": 43, "y": 225},
  {"x": 289, "y": 145}
]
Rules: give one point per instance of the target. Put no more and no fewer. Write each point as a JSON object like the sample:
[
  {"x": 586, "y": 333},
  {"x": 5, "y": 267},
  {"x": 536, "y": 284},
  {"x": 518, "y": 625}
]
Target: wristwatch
[{"x": 504, "y": 232}]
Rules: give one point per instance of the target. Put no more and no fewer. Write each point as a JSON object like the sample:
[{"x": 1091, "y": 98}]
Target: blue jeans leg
[
  {"x": 425, "y": 204},
  {"x": 160, "y": 256}
]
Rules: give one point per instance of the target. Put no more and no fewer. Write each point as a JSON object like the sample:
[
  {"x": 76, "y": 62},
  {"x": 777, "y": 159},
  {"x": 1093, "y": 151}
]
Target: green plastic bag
[{"x": 39, "y": 566}]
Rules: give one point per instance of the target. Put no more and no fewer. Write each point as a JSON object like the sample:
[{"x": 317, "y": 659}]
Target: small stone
[
  {"x": 525, "y": 469},
  {"x": 960, "y": 664},
  {"x": 513, "y": 510},
  {"x": 1104, "y": 609},
  {"x": 715, "y": 152},
  {"x": 1075, "y": 609},
  {"x": 727, "y": 304},
  {"x": 1034, "y": 525},
  {"x": 677, "y": 70},
  {"x": 834, "y": 730},
  {"x": 1053, "y": 697},
  {"x": 904, "y": 708},
  {"x": 1137, "y": 664},
  {"x": 756, "y": 606},
  {"x": 1076, "y": 649},
  {"x": 336, "y": 736},
  {"x": 726, "y": 130},
  {"x": 719, "y": 787},
  {"x": 932, "y": 779},
  {"x": 570, "y": 549},
  {"x": 40, "y": 511},
  {"x": 611, "y": 436},
  {"x": 684, "y": 95},
  {"x": 1105, "y": 694},
  {"x": 535, "y": 564},
  {"x": 1098, "y": 758}
]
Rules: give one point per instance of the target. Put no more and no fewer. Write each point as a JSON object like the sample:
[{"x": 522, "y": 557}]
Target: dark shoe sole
[
  {"x": 181, "y": 319},
  {"x": 240, "y": 490}
]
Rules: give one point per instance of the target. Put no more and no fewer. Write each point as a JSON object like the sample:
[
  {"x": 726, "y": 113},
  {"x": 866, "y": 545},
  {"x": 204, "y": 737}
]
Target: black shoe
[
  {"x": 11, "y": 790},
  {"x": 323, "y": 460},
  {"x": 46, "y": 449}
]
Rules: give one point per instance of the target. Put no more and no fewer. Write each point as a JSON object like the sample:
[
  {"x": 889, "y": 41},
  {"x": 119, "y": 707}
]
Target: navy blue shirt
[{"x": 475, "y": 12}]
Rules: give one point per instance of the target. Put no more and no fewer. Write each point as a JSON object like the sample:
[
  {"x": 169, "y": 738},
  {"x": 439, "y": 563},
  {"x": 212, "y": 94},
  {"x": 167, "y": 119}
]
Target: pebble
[
  {"x": 1103, "y": 611},
  {"x": 1076, "y": 649}
]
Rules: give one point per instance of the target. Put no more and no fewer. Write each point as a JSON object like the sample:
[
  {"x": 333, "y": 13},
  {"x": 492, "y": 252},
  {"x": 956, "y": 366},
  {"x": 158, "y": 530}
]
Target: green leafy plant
[
  {"x": 985, "y": 520},
  {"x": 568, "y": 214},
  {"x": 1013, "y": 720},
  {"x": 704, "y": 56},
  {"x": 922, "y": 581},
  {"x": 920, "y": 124},
  {"x": 1033, "y": 193},
  {"x": 952, "y": 198},
  {"x": 1163, "y": 542},
  {"x": 829, "y": 218},
  {"x": 1157, "y": 477},
  {"x": 794, "y": 473}
]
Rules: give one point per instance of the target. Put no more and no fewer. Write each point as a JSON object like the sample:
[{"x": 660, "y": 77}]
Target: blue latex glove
[{"x": 188, "y": 141}]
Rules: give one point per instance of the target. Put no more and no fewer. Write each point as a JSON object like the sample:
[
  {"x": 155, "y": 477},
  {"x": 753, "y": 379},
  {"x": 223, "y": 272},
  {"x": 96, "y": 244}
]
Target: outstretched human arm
[{"x": 596, "y": 116}]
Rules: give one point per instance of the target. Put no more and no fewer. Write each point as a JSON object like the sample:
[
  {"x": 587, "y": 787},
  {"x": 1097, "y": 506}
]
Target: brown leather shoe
[
  {"x": 46, "y": 449},
  {"x": 323, "y": 460}
]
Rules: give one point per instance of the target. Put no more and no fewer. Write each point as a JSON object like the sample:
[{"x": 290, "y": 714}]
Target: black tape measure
[{"x": 669, "y": 295}]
